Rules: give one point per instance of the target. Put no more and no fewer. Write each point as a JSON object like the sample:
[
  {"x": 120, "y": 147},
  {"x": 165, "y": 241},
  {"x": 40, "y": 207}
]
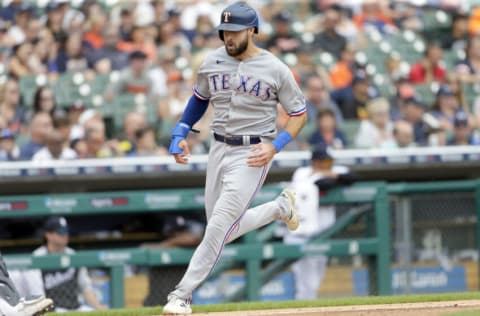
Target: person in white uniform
[{"x": 310, "y": 183}]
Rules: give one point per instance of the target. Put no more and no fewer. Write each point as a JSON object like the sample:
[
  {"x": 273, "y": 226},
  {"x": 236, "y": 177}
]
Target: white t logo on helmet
[{"x": 226, "y": 15}]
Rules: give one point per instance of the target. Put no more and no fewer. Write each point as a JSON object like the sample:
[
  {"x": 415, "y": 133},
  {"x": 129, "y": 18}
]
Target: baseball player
[
  {"x": 243, "y": 83},
  {"x": 70, "y": 288},
  {"x": 309, "y": 184},
  {"x": 11, "y": 304}
]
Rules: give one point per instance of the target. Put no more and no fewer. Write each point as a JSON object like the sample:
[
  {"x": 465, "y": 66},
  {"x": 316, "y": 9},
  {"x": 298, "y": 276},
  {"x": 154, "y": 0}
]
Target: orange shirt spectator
[
  {"x": 139, "y": 41},
  {"x": 372, "y": 14},
  {"x": 474, "y": 22},
  {"x": 93, "y": 38},
  {"x": 148, "y": 49},
  {"x": 94, "y": 35},
  {"x": 341, "y": 75},
  {"x": 379, "y": 18}
]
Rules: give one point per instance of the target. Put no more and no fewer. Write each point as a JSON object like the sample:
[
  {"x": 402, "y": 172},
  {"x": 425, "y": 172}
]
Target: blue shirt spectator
[
  {"x": 108, "y": 52},
  {"x": 29, "y": 149},
  {"x": 318, "y": 98},
  {"x": 327, "y": 134},
  {"x": 462, "y": 133},
  {"x": 413, "y": 112},
  {"x": 40, "y": 128},
  {"x": 8, "y": 149}
]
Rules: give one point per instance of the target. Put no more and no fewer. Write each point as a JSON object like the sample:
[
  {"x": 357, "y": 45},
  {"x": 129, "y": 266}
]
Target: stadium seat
[
  {"x": 450, "y": 57},
  {"x": 435, "y": 20},
  {"x": 66, "y": 88},
  {"x": 426, "y": 93},
  {"x": 350, "y": 129},
  {"x": 306, "y": 131},
  {"x": 325, "y": 59},
  {"x": 436, "y": 23},
  {"x": 470, "y": 93},
  {"x": 28, "y": 86},
  {"x": 100, "y": 83},
  {"x": 126, "y": 103}
]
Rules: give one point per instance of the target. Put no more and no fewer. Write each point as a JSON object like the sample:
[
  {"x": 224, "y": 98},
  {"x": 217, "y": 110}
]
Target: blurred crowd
[{"x": 87, "y": 79}]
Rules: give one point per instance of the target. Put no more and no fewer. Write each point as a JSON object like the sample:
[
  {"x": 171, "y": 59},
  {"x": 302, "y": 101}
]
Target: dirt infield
[{"x": 405, "y": 309}]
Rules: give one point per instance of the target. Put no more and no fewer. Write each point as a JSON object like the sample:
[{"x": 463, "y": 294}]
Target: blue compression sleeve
[
  {"x": 282, "y": 140},
  {"x": 194, "y": 110},
  {"x": 179, "y": 133}
]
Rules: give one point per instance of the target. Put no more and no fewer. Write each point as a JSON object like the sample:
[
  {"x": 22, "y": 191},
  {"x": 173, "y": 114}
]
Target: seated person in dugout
[{"x": 70, "y": 288}]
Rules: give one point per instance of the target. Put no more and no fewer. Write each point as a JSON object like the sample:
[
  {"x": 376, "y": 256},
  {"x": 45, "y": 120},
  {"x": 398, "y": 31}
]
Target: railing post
[
  {"x": 382, "y": 223},
  {"x": 372, "y": 259},
  {"x": 117, "y": 286},
  {"x": 477, "y": 226},
  {"x": 403, "y": 242},
  {"x": 252, "y": 271}
]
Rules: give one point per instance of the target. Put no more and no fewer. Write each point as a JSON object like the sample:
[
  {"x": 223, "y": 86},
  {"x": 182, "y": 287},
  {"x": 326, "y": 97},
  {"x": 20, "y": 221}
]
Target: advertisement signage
[
  {"x": 422, "y": 280},
  {"x": 281, "y": 288}
]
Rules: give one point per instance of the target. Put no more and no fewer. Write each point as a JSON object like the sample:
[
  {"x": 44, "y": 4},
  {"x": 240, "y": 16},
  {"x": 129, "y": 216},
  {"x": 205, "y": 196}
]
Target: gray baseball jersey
[{"x": 244, "y": 94}]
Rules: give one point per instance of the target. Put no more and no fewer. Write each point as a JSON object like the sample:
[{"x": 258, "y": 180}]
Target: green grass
[
  {"x": 464, "y": 313},
  {"x": 344, "y": 301}
]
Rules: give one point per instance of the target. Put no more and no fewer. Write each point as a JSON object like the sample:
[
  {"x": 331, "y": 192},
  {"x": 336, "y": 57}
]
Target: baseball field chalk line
[{"x": 361, "y": 309}]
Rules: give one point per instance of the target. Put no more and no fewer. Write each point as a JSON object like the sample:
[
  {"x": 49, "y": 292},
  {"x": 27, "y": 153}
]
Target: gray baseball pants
[
  {"x": 7, "y": 290},
  {"x": 230, "y": 188}
]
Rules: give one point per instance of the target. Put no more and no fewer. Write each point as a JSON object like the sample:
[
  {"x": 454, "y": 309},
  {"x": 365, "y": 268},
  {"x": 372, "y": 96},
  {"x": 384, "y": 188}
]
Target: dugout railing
[
  {"x": 372, "y": 203},
  {"x": 252, "y": 251}
]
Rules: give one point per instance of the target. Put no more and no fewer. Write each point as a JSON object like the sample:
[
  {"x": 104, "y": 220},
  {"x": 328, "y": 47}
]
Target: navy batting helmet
[{"x": 237, "y": 17}]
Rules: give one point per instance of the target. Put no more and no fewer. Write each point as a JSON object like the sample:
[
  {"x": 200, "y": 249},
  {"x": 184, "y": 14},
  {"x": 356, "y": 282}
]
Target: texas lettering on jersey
[{"x": 245, "y": 84}]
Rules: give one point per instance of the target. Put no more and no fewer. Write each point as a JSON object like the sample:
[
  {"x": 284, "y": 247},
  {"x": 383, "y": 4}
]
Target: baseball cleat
[
  {"x": 177, "y": 306},
  {"x": 291, "y": 219},
  {"x": 36, "y": 306}
]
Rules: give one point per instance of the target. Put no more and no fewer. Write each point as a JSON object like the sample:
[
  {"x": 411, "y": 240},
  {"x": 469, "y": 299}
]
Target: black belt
[{"x": 237, "y": 140}]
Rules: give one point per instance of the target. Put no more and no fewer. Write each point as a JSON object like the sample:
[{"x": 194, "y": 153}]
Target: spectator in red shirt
[{"x": 430, "y": 67}]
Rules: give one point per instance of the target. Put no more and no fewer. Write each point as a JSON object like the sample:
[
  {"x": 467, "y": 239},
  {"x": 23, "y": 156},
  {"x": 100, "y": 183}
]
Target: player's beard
[{"x": 239, "y": 49}]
